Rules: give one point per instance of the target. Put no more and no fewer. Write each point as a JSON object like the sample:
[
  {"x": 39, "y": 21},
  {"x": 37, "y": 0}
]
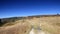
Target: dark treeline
[
  {"x": 1, "y": 23},
  {"x": 9, "y": 20}
]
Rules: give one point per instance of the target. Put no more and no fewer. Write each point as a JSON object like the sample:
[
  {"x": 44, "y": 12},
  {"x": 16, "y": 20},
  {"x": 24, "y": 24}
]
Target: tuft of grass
[{"x": 58, "y": 24}]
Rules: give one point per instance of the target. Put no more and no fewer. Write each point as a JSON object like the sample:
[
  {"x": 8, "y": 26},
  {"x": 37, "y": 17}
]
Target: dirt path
[{"x": 34, "y": 31}]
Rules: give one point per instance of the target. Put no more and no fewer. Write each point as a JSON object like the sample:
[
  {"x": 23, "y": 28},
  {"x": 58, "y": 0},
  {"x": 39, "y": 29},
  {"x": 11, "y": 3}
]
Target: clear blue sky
[{"x": 11, "y": 8}]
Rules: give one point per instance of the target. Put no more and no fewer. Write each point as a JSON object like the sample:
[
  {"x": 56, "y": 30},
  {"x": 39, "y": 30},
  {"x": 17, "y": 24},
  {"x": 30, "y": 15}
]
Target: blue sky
[{"x": 12, "y": 8}]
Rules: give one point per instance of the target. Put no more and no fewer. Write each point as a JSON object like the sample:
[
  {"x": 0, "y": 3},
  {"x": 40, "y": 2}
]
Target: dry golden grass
[
  {"x": 51, "y": 24},
  {"x": 19, "y": 28},
  {"x": 48, "y": 24}
]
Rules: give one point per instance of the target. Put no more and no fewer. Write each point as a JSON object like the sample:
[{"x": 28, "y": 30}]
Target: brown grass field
[
  {"x": 18, "y": 28},
  {"x": 50, "y": 24}
]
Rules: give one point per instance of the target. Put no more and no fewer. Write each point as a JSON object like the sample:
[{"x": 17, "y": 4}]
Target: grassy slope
[
  {"x": 51, "y": 24},
  {"x": 48, "y": 24},
  {"x": 17, "y": 28}
]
